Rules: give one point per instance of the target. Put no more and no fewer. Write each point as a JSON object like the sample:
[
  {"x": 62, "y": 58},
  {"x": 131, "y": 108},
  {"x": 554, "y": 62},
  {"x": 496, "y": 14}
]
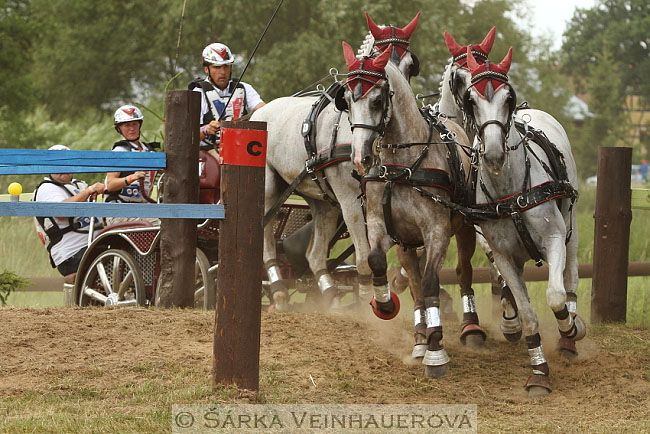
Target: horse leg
[
  {"x": 539, "y": 383},
  {"x": 279, "y": 295},
  {"x": 325, "y": 219},
  {"x": 355, "y": 222},
  {"x": 436, "y": 360},
  {"x": 510, "y": 323},
  {"x": 557, "y": 298},
  {"x": 410, "y": 262},
  {"x": 471, "y": 332},
  {"x": 495, "y": 277}
]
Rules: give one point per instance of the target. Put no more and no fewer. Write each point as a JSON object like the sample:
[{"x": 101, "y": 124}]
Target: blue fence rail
[{"x": 39, "y": 161}]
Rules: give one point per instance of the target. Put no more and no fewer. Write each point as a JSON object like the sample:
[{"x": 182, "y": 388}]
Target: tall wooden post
[
  {"x": 611, "y": 235},
  {"x": 240, "y": 274},
  {"x": 178, "y": 236}
]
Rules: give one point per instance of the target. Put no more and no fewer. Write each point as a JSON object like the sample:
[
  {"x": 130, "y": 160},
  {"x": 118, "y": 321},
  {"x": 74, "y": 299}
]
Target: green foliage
[{"x": 10, "y": 281}]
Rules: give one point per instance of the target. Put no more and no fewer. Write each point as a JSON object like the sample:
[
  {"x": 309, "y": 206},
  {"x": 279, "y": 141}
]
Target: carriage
[{"x": 121, "y": 266}]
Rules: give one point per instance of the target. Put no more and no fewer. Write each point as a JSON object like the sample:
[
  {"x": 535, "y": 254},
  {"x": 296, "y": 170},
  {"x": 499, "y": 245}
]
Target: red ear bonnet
[
  {"x": 482, "y": 73},
  {"x": 385, "y": 35},
  {"x": 366, "y": 73},
  {"x": 480, "y": 51}
]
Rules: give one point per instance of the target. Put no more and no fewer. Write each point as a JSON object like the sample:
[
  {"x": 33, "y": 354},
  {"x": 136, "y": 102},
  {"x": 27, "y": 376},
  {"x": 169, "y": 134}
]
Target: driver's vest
[
  {"x": 236, "y": 107},
  {"x": 132, "y": 193},
  {"x": 47, "y": 228}
]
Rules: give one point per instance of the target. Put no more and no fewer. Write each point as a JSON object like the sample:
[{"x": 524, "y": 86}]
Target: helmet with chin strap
[
  {"x": 127, "y": 113},
  {"x": 217, "y": 54}
]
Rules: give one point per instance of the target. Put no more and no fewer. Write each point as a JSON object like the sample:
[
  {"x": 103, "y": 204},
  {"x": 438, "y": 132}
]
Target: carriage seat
[
  {"x": 209, "y": 179},
  {"x": 127, "y": 225}
]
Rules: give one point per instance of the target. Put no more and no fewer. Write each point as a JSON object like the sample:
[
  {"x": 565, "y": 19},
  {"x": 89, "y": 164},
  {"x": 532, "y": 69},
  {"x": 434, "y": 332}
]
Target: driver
[{"x": 216, "y": 90}]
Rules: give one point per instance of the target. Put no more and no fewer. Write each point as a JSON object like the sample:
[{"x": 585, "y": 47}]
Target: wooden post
[
  {"x": 240, "y": 274},
  {"x": 611, "y": 235},
  {"x": 178, "y": 237}
]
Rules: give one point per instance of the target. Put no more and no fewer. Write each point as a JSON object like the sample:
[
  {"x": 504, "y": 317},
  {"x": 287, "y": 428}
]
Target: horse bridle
[
  {"x": 468, "y": 111},
  {"x": 386, "y": 95}
]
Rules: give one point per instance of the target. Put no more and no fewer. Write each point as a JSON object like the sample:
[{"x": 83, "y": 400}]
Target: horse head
[
  {"x": 457, "y": 75},
  {"x": 400, "y": 54},
  {"x": 367, "y": 97},
  {"x": 489, "y": 104}
]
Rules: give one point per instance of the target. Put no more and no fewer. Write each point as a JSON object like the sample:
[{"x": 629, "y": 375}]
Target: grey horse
[{"x": 529, "y": 183}]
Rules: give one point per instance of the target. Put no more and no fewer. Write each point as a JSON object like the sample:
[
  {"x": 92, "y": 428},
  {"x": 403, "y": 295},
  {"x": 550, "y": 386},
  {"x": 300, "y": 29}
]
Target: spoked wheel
[
  {"x": 113, "y": 279},
  {"x": 205, "y": 293}
]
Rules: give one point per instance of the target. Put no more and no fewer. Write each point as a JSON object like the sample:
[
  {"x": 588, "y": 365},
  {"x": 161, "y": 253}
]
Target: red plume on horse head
[{"x": 482, "y": 50}]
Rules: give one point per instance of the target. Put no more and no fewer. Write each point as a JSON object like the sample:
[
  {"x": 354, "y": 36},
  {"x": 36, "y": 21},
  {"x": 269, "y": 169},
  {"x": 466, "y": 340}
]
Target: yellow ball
[{"x": 15, "y": 189}]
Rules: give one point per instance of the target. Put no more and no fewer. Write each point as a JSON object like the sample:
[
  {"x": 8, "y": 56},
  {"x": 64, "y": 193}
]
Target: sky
[{"x": 552, "y": 16}]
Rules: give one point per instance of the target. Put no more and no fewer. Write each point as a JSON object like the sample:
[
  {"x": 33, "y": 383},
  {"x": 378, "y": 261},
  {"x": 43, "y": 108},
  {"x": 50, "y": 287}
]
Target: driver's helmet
[
  {"x": 127, "y": 113},
  {"x": 217, "y": 54}
]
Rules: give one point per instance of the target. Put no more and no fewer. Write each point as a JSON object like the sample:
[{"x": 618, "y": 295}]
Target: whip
[{"x": 253, "y": 54}]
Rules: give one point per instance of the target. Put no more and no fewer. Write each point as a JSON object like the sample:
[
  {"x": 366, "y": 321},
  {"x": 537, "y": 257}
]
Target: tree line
[{"x": 65, "y": 66}]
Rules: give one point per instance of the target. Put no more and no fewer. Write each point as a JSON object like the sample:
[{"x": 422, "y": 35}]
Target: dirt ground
[{"x": 314, "y": 358}]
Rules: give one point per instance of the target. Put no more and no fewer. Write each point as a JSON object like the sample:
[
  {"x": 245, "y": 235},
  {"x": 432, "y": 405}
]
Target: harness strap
[
  {"x": 525, "y": 237},
  {"x": 284, "y": 196},
  {"x": 388, "y": 218}
]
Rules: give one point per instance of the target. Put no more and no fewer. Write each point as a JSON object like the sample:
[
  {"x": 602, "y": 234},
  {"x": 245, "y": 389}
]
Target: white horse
[
  {"x": 455, "y": 82},
  {"x": 286, "y": 157},
  {"x": 536, "y": 188},
  {"x": 412, "y": 169}
]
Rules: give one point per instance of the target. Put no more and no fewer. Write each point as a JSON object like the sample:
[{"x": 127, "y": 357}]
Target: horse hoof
[
  {"x": 327, "y": 298},
  {"x": 567, "y": 348},
  {"x": 473, "y": 336},
  {"x": 581, "y": 328},
  {"x": 474, "y": 341},
  {"x": 419, "y": 350},
  {"x": 387, "y": 310},
  {"x": 538, "y": 392},
  {"x": 397, "y": 282},
  {"x": 280, "y": 301},
  {"x": 538, "y": 386},
  {"x": 436, "y": 371},
  {"x": 512, "y": 337}
]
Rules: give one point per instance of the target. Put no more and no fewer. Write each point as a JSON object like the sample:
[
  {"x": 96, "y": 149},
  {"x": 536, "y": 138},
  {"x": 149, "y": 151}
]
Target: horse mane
[{"x": 367, "y": 47}]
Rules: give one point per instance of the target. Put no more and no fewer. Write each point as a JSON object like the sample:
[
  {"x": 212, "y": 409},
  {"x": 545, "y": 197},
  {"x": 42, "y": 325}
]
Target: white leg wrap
[
  {"x": 365, "y": 292},
  {"x": 536, "y": 356},
  {"x": 274, "y": 273},
  {"x": 382, "y": 293},
  {"x": 510, "y": 326},
  {"x": 326, "y": 282},
  {"x": 469, "y": 304},
  {"x": 417, "y": 317},
  {"x": 432, "y": 317}
]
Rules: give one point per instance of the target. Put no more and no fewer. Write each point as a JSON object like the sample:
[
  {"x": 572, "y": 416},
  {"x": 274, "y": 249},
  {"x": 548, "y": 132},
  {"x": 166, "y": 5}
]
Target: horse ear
[
  {"x": 410, "y": 27},
  {"x": 506, "y": 62},
  {"x": 488, "y": 41},
  {"x": 374, "y": 28},
  {"x": 348, "y": 53},
  {"x": 452, "y": 45},
  {"x": 471, "y": 61},
  {"x": 381, "y": 60}
]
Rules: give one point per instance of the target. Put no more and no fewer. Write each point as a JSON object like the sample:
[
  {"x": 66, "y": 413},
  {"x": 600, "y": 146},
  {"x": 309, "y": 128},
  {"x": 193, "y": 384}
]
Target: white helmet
[
  {"x": 217, "y": 54},
  {"x": 127, "y": 113},
  {"x": 58, "y": 148}
]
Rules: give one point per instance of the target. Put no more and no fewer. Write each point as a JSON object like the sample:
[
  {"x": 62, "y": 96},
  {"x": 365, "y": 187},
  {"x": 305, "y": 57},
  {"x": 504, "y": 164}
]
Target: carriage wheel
[
  {"x": 113, "y": 279},
  {"x": 205, "y": 293}
]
